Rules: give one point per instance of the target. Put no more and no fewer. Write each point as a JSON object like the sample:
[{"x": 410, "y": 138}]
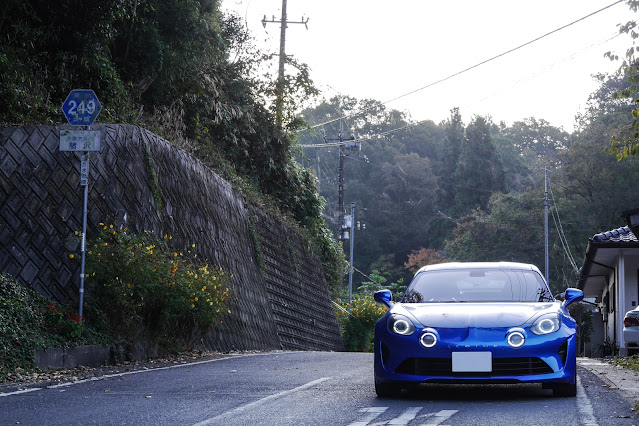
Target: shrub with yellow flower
[
  {"x": 146, "y": 289},
  {"x": 357, "y": 321}
]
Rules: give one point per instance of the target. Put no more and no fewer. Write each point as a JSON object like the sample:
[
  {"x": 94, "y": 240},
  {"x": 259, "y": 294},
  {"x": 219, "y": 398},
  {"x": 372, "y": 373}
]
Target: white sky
[{"x": 383, "y": 49}]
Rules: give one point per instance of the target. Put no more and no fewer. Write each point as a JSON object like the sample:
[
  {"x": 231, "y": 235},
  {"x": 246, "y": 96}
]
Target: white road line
[
  {"x": 259, "y": 402},
  {"x": 440, "y": 417},
  {"x": 126, "y": 373},
  {"x": 20, "y": 391},
  {"x": 373, "y": 413},
  {"x": 586, "y": 412},
  {"x": 406, "y": 416}
]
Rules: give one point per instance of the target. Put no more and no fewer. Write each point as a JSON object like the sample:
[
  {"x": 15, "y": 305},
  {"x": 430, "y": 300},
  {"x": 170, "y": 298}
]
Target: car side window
[{"x": 536, "y": 289}]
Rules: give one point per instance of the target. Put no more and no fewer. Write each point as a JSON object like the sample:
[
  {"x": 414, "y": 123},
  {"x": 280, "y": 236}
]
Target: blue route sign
[{"x": 81, "y": 107}]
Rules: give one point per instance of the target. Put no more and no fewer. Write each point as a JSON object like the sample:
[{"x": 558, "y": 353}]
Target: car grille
[{"x": 443, "y": 367}]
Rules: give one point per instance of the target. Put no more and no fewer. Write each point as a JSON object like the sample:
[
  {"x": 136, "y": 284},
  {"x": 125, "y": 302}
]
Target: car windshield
[{"x": 477, "y": 285}]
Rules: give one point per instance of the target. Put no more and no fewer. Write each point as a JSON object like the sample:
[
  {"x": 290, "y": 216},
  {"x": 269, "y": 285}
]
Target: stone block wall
[{"x": 280, "y": 298}]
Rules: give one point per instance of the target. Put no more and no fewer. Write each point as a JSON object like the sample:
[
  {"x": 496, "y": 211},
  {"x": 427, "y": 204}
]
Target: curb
[
  {"x": 93, "y": 355},
  {"x": 624, "y": 380}
]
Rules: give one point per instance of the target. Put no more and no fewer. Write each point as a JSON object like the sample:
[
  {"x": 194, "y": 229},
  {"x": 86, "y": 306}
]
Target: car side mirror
[
  {"x": 572, "y": 295},
  {"x": 384, "y": 297}
]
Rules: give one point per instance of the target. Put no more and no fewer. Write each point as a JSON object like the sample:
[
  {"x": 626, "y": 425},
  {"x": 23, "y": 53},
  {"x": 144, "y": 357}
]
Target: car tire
[
  {"x": 563, "y": 390},
  {"x": 387, "y": 390}
]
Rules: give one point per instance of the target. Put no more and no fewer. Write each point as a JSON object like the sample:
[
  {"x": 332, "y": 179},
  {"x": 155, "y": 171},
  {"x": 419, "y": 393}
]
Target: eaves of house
[{"x": 603, "y": 249}]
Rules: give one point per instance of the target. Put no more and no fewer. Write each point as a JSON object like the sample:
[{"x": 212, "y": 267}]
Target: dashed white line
[
  {"x": 406, "y": 416},
  {"x": 440, "y": 417},
  {"x": 434, "y": 419},
  {"x": 373, "y": 413},
  {"x": 259, "y": 402}
]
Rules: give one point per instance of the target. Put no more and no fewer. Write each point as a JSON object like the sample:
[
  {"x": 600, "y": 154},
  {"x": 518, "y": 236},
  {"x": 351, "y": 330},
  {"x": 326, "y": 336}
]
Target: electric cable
[
  {"x": 417, "y": 123},
  {"x": 560, "y": 230},
  {"x": 355, "y": 114}
]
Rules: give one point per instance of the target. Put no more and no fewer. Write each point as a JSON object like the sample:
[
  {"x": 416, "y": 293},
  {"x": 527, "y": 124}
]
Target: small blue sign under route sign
[{"x": 81, "y": 107}]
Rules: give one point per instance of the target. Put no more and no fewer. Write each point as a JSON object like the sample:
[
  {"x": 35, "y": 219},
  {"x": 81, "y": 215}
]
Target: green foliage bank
[
  {"x": 28, "y": 322},
  {"x": 178, "y": 67}
]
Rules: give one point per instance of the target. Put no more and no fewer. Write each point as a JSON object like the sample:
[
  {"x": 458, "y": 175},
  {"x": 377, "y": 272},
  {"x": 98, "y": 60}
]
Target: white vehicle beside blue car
[{"x": 631, "y": 331}]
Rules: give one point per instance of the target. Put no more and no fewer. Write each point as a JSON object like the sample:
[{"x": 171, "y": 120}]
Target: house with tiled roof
[{"x": 610, "y": 275}]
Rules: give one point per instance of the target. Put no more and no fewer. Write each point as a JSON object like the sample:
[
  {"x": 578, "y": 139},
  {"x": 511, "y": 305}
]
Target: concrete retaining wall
[{"x": 283, "y": 304}]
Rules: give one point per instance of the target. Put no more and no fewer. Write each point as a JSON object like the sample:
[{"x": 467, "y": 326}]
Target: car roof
[{"x": 479, "y": 265}]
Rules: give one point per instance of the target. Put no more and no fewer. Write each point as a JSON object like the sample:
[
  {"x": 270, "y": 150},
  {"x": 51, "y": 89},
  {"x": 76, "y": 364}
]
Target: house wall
[
  {"x": 593, "y": 348},
  {"x": 609, "y": 307}
]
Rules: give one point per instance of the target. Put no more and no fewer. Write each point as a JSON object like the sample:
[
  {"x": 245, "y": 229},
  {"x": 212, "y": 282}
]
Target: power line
[
  {"x": 363, "y": 139},
  {"x": 417, "y": 123},
  {"x": 355, "y": 114},
  {"x": 560, "y": 231},
  {"x": 365, "y": 276}
]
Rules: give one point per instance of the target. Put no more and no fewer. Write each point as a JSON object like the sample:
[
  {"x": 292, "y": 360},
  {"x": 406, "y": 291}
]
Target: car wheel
[
  {"x": 564, "y": 389},
  {"x": 387, "y": 390}
]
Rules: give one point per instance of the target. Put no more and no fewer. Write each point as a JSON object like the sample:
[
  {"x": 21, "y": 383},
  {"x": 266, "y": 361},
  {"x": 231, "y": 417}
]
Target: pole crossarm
[{"x": 278, "y": 21}]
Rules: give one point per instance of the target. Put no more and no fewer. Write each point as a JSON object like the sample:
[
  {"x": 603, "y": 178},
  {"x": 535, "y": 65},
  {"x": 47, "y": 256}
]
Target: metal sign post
[
  {"x": 84, "y": 181},
  {"x": 81, "y": 108}
]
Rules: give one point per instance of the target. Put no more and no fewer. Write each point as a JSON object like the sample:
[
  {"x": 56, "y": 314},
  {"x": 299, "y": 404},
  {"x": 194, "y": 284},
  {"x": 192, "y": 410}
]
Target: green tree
[
  {"x": 165, "y": 65},
  {"x": 593, "y": 187},
  {"x": 395, "y": 187},
  {"x": 479, "y": 170},
  {"x": 528, "y": 146},
  {"x": 537, "y": 137},
  {"x": 451, "y": 151},
  {"x": 626, "y": 142},
  {"x": 510, "y": 229}
]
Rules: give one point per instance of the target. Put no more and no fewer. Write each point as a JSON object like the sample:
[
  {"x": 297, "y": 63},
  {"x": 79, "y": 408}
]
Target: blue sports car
[{"x": 476, "y": 323}]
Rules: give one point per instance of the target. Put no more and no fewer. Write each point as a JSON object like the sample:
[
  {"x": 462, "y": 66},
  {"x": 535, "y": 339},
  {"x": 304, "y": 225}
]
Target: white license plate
[{"x": 472, "y": 362}]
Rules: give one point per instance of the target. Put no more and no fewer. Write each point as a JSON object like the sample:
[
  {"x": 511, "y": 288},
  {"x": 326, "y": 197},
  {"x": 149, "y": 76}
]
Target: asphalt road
[{"x": 300, "y": 388}]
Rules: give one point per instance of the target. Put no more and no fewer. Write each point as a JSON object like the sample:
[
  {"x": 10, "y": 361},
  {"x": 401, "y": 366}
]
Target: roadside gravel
[
  {"x": 21, "y": 380},
  {"x": 618, "y": 378}
]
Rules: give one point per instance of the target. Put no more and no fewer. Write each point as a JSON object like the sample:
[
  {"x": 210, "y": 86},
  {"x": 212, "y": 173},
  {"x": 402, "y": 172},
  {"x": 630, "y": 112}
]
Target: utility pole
[
  {"x": 546, "y": 220},
  {"x": 279, "y": 88},
  {"x": 350, "y": 269},
  {"x": 345, "y": 147},
  {"x": 340, "y": 185}
]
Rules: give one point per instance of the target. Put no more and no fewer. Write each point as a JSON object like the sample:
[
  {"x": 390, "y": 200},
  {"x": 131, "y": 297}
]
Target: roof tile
[{"x": 619, "y": 235}]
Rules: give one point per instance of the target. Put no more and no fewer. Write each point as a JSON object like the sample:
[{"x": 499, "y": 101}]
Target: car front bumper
[{"x": 542, "y": 359}]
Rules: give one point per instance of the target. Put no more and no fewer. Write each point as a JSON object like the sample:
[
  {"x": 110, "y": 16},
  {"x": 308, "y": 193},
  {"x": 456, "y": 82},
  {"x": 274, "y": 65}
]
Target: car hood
[{"x": 484, "y": 315}]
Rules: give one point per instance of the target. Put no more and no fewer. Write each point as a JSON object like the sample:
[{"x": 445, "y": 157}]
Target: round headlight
[
  {"x": 516, "y": 339},
  {"x": 428, "y": 340},
  {"x": 546, "y": 324},
  {"x": 399, "y": 324}
]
